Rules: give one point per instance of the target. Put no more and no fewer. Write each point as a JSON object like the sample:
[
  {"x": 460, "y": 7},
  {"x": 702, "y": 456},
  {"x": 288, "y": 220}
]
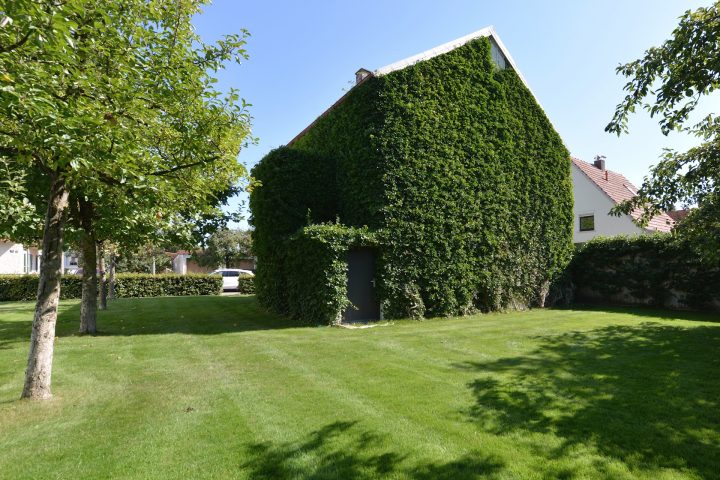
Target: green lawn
[{"x": 213, "y": 387}]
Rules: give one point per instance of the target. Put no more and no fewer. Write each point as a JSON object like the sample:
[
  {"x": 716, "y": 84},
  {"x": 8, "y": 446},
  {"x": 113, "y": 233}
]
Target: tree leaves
[
  {"x": 680, "y": 73},
  {"x": 116, "y": 99}
]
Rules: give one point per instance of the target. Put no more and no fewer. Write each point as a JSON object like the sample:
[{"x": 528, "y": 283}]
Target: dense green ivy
[
  {"x": 658, "y": 270},
  {"x": 453, "y": 166},
  {"x": 295, "y": 189},
  {"x": 317, "y": 271}
]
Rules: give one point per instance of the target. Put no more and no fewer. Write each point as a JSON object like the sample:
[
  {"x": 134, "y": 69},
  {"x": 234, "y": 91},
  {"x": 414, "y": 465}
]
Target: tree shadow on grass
[
  {"x": 205, "y": 315},
  {"x": 647, "y": 395},
  {"x": 648, "y": 311},
  {"x": 341, "y": 450}
]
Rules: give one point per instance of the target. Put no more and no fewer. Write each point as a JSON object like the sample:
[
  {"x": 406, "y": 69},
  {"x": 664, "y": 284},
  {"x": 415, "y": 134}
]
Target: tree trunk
[
  {"x": 88, "y": 246},
  {"x": 103, "y": 283},
  {"x": 39, "y": 366},
  {"x": 111, "y": 287}
]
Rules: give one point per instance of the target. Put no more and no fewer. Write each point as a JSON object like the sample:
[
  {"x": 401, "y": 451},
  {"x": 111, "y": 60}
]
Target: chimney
[
  {"x": 599, "y": 162},
  {"x": 361, "y": 75}
]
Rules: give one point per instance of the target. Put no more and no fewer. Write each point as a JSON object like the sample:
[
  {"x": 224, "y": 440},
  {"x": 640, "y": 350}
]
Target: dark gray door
[{"x": 361, "y": 286}]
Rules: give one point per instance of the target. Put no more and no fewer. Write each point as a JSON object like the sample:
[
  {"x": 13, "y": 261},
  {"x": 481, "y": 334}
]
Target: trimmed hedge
[
  {"x": 453, "y": 167},
  {"x": 24, "y": 287},
  {"x": 658, "y": 270},
  {"x": 246, "y": 285},
  {"x": 147, "y": 285}
]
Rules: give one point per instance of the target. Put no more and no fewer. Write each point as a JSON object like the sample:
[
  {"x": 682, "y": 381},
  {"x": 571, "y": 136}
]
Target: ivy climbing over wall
[{"x": 453, "y": 168}]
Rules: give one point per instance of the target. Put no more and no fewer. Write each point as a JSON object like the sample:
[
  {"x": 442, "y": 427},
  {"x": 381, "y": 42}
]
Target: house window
[
  {"x": 587, "y": 223},
  {"x": 73, "y": 261},
  {"x": 497, "y": 55}
]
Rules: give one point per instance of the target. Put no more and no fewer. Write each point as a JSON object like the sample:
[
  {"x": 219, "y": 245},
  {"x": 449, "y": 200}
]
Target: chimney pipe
[
  {"x": 599, "y": 162},
  {"x": 361, "y": 75}
]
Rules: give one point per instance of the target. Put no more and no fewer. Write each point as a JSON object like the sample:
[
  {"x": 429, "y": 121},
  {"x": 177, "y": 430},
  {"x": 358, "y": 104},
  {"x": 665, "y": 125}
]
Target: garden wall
[{"x": 655, "y": 270}]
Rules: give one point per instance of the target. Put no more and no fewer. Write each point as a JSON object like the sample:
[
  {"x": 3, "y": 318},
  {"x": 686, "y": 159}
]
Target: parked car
[{"x": 231, "y": 275}]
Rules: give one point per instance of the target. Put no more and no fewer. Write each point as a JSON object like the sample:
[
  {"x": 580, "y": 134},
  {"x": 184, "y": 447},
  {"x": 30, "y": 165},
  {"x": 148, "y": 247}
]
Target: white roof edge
[
  {"x": 434, "y": 52},
  {"x": 488, "y": 31},
  {"x": 509, "y": 57}
]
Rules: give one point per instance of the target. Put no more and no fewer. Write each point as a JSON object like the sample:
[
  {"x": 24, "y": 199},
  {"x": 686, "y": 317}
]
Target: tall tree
[
  {"x": 670, "y": 81},
  {"x": 111, "y": 99},
  {"x": 226, "y": 246},
  {"x": 141, "y": 260}
]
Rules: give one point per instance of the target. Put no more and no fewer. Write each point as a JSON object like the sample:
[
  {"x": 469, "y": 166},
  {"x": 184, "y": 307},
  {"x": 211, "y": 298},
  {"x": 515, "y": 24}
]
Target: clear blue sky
[{"x": 303, "y": 55}]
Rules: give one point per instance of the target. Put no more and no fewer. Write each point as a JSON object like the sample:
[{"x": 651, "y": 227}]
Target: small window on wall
[
  {"x": 497, "y": 55},
  {"x": 587, "y": 223}
]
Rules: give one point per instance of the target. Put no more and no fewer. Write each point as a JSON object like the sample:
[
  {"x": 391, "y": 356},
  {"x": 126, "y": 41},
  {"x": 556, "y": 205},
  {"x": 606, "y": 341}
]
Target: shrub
[
  {"x": 659, "y": 270},
  {"x": 24, "y": 287},
  {"x": 246, "y": 284},
  {"x": 146, "y": 285}
]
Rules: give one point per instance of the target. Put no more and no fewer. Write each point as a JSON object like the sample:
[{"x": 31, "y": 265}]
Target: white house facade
[
  {"x": 16, "y": 259},
  {"x": 179, "y": 261},
  {"x": 597, "y": 190},
  {"x": 71, "y": 262}
]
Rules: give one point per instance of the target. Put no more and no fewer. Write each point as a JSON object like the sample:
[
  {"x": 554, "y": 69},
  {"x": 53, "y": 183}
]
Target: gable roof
[
  {"x": 488, "y": 32},
  {"x": 619, "y": 189}
]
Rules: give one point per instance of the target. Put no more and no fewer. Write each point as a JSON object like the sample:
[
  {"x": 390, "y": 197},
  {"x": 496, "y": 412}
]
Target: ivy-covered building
[{"x": 436, "y": 186}]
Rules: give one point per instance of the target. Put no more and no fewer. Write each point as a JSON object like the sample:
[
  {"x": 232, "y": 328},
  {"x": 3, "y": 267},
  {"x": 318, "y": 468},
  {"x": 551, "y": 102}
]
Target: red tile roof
[
  {"x": 678, "y": 215},
  {"x": 619, "y": 188}
]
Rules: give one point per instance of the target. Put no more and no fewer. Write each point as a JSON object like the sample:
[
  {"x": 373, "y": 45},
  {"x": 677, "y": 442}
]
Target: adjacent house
[
  {"x": 17, "y": 259},
  {"x": 436, "y": 186},
  {"x": 180, "y": 261},
  {"x": 597, "y": 190},
  {"x": 679, "y": 215},
  {"x": 184, "y": 263}
]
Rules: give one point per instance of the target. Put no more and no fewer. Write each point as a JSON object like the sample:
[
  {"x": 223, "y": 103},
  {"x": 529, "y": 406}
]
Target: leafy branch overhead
[
  {"x": 132, "y": 81},
  {"x": 669, "y": 82}
]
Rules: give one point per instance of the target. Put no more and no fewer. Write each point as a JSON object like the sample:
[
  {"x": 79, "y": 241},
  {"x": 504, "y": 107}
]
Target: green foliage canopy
[
  {"x": 225, "y": 247},
  {"x": 141, "y": 260},
  {"x": 119, "y": 100},
  {"x": 669, "y": 82}
]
